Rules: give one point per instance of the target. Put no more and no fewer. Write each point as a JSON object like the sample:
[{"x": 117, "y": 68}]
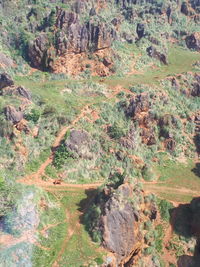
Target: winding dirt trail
[
  {"x": 7, "y": 240},
  {"x": 35, "y": 177}
]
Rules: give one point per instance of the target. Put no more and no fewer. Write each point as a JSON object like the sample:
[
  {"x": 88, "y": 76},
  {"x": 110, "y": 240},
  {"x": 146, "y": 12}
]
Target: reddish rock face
[
  {"x": 138, "y": 104},
  {"x": 72, "y": 36}
]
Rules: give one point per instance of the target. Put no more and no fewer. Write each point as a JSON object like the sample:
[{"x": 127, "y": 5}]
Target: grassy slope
[
  {"x": 180, "y": 60},
  {"x": 182, "y": 177},
  {"x": 68, "y": 243},
  {"x": 79, "y": 248}
]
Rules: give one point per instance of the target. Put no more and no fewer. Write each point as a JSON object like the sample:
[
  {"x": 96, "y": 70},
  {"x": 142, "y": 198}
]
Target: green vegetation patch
[
  {"x": 180, "y": 60},
  {"x": 66, "y": 242}
]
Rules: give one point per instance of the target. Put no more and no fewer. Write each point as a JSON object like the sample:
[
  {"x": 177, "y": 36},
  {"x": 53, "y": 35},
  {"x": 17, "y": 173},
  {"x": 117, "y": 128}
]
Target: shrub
[
  {"x": 61, "y": 155},
  {"x": 99, "y": 261},
  {"x": 90, "y": 221},
  {"x": 88, "y": 66},
  {"x": 117, "y": 179},
  {"x": 148, "y": 173},
  {"x": 116, "y": 131},
  {"x": 7, "y": 198},
  {"x": 164, "y": 207},
  {"x": 34, "y": 115}
]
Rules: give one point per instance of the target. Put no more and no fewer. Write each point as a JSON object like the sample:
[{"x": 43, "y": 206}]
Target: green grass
[
  {"x": 50, "y": 92},
  {"x": 79, "y": 249},
  {"x": 173, "y": 175},
  {"x": 182, "y": 198},
  {"x": 178, "y": 175},
  {"x": 34, "y": 164},
  {"x": 180, "y": 60}
]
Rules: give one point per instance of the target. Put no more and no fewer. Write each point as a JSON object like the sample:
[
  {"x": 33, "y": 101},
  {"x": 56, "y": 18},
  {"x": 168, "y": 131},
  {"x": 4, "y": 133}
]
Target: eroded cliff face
[
  {"x": 71, "y": 36},
  {"x": 121, "y": 214},
  {"x": 82, "y": 28}
]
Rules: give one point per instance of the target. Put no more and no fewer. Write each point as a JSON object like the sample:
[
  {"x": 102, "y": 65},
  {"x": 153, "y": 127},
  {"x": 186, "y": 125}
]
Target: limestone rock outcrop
[
  {"x": 119, "y": 220},
  {"x": 5, "y": 80},
  {"x": 193, "y": 41},
  {"x": 72, "y": 36},
  {"x": 152, "y": 52},
  {"x": 79, "y": 142},
  {"x": 13, "y": 115}
]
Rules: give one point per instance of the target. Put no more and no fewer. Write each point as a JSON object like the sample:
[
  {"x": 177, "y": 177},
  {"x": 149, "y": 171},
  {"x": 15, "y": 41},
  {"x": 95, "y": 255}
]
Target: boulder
[
  {"x": 140, "y": 30},
  {"x": 195, "y": 91},
  {"x": 193, "y": 41},
  {"x": 195, "y": 4},
  {"x": 185, "y": 8},
  {"x": 170, "y": 144},
  {"x": 175, "y": 83},
  {"x": 79, "y": 143},
  {"x": 119, "y": 224},
  {"x": 5, "y": 80},
  {"x": 23, "y": 92},
  {"x": 5, "y": 61},
  {"x": 152, "y": 52},
  {"x": 129, "y": 141},
  {"x": 37, "y": 50},
  {"x": 138, "y": 104},
  {"x": 13, "y": 115},
  {"x": 148, "y": 136},
  {"x": 73, "y": 36}
]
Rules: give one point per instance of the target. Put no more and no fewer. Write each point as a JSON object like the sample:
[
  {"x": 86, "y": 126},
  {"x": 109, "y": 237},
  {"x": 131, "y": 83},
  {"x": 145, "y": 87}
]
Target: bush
[
  {"x": 7, "y": 198},
  {"x": 61, "y": 155},
  {"x": 164, "y": 207},
  {"x": 148, "y": 173},
  {"x": 116, "y": 179},
  {"x": 91, "y": 220},
  {"x": 34, "y": 115},
  {"x": 116, "y": 131}
]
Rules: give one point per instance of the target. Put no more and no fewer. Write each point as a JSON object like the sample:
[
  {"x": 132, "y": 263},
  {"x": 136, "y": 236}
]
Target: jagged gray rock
[
  {"x": 5, "y": 80},
  {"x": 13, "y": 115}
]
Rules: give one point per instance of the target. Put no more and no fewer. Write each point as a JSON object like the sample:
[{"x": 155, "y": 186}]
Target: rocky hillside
[
  {"x": 99, "y": 133},
  {"x": 55, "y": 34}
]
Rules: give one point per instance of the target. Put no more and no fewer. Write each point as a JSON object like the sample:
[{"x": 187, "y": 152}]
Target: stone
[
  {"x": 185, "y": 8},
  {"x": 5, "y": 80},
  {"x": 152, "y": 52},
  {"x": 23, "y": 92},
  {"x": 148, "y": 136},
  {"x": 37, "y": 50},
  {"x": 79, "y": 143},
  {"x": 193, "y": 41},
  {"x": 140, "y": 30},
  {"x": 138, "y": 104},
  {"x": 5, "y": 61},
  {"x": 195, "y": 90},
  {"x": 73, "y": 36},
  {"x": 13, "y": 115},
  {"x": 118, "y": 223},
  {"x": 170, "y": 144}
]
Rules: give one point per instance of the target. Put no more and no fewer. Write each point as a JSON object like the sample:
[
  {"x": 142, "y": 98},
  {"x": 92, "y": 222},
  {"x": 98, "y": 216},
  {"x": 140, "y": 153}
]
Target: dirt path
[
  {"x": 133, "y": 65},
  {"x": 155, "y": 188},
  {"x": 70, "y": 232},
  {"x": 7, "y": 240},
  {"x": 35, "y": 177}
]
